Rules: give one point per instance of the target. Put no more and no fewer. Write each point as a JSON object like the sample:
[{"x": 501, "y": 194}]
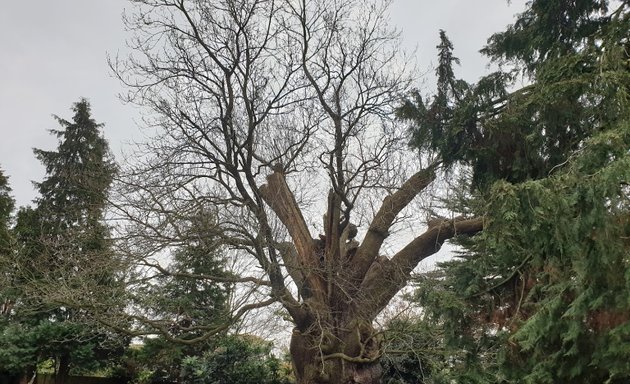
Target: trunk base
[{"x": 350, "y": 358}]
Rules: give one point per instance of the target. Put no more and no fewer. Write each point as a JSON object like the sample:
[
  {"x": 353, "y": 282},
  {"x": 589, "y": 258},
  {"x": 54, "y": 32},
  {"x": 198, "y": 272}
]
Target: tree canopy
[
  {"x": 267, "y": 112},
  {"x": 541, "y": 295},
  {"x": 61, "y": 246},
  {"x": 290, "y": 167}
]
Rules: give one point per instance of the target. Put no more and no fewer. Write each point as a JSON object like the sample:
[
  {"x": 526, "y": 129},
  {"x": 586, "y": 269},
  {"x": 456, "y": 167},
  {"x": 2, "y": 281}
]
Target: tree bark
[
  {"x": 279, "y": 197},
  {"x": 335, "y": 341},
  {"x": 347, "y": 354},
  {"x": 63, "y": 369},
  {"x": 390, "y": 208},
  {"x": 388, "y": 276}
]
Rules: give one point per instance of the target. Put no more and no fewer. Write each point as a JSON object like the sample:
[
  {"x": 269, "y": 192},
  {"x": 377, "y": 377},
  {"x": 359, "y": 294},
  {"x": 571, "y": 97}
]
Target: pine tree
[
  {"x": 74, "y": 193},
  {"x": 429, "y": 133}
]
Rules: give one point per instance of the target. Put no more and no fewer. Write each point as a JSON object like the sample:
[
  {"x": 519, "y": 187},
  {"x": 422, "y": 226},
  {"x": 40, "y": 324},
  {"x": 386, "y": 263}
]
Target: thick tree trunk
[
  {"x": 63, "y": 369},
  {"x": 28, "y": 376},
  {"x": 344, "y": 284},
  {"x": 336, "y": 355}
]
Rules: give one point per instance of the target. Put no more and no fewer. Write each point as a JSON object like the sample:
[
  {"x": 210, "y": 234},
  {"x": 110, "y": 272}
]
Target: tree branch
[
  {"x": 278, "y": 196},
  {"x": 391, "y": 207},
  {"x": 386, "y": 277}
]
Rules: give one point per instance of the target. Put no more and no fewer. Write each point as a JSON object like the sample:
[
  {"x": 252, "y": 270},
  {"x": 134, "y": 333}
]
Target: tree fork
[
  {"x": 278, "y": 196},
  {"x": 390, "y": 208},
  {"x": 387, "y": 276}
]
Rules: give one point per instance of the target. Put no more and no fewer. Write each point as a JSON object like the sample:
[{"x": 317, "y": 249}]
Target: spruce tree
[{"x": 78, "y": 175}]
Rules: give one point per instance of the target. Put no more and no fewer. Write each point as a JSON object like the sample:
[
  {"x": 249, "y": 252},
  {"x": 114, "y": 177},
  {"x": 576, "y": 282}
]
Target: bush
[{"x": 236, "y": 359}]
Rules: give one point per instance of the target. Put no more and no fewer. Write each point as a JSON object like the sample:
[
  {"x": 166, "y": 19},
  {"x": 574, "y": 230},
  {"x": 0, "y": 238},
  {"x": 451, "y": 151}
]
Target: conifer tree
[
  {"x": 74, "y": 193},
  {"x": 64, "y": 251},
  {"x": 6, "y": 208},
  {"x": 6, "y": 243},
  {"x": 187, "y": 299},
  {"x": 16, "y": 348},
  {"x": 541, "y": 296}
]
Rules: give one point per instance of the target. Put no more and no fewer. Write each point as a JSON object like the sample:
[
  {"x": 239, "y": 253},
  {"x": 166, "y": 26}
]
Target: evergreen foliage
[
  {"x": 189, "y": 300},
  {"x": 542, "y": 295},
  {"x": 188, "y": 293},
  {"x": 9, "y": 359},
  {"x": 74, "y": 193},
  {"x": 237, "y": 359},
  {"x": 63, "y": 255},
  {"x": 6, "y": 209},
  {"x": 522, "y": 134},
  {"x": 6, "y": 245}
]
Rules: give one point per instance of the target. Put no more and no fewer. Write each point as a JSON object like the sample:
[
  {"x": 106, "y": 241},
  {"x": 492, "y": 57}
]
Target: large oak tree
[{"x": 277, "y": 118}]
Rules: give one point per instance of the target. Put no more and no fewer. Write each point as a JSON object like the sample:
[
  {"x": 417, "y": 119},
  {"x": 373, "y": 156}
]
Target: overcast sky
[{"x": 52, "y": 53}]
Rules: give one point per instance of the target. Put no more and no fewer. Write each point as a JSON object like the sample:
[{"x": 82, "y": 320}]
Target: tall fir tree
[
  {"x": 74, "y": 193},
  {"x": 541, "y": 296},
  {"x": 64, "y": 251}
]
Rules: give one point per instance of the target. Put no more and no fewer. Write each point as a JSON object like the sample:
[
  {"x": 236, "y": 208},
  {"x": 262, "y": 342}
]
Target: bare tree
[{"x": 264, "y": 113}]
